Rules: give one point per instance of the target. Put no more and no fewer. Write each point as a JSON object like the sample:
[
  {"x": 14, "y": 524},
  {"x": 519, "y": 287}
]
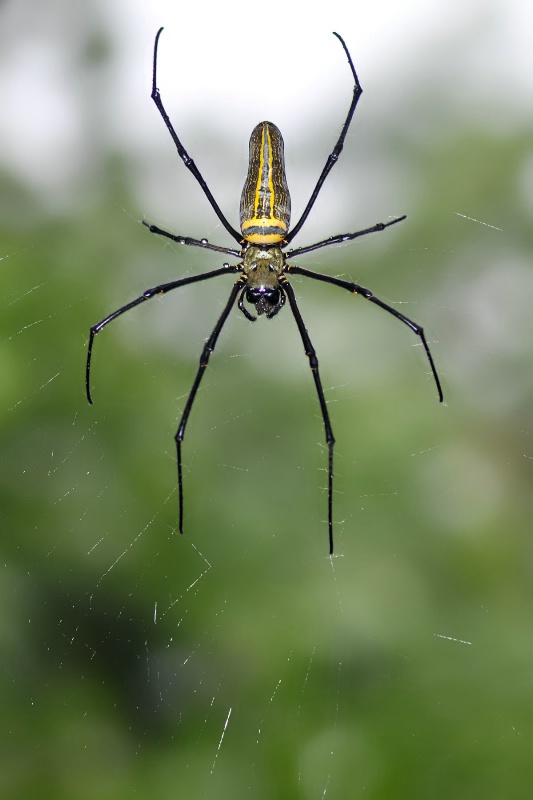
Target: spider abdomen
[{"x": 265, "y": 201}]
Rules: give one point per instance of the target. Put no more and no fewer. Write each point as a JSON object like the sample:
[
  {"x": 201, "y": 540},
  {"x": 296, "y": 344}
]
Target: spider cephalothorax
[{"x": 262, "y": 270}]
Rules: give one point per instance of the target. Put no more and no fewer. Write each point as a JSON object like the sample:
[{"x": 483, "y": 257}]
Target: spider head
[{"x": 266, "y": 299}]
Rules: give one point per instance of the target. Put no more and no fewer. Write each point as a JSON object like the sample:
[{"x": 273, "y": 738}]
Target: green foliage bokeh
[{"x": 400, "y": 669}]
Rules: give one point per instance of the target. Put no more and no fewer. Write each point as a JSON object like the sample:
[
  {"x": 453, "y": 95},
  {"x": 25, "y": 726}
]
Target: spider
[{"x": 263, "y": 271}]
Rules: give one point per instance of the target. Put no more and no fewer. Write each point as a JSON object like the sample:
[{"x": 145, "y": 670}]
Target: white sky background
[{"x": 226, "y": 66}]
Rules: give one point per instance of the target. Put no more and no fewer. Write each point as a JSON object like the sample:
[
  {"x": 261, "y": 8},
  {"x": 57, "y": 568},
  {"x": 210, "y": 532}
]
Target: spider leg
[
  {"x": 355, "y": 288},
  {"x": 185, "y": 157},
  {"x": 313, "y": 363},
  {"x": 163, "y": 288},
  {"x": 242, "y": 307},
  {"x": 191, "y": 242},
  {"x": 334, "y": 155},
  {"x": 204, "y": 360},
  {"x": 343, "y": 237}
]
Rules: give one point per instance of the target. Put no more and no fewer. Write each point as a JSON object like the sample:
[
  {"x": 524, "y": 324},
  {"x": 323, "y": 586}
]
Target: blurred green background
[{"x": 239, "y": 660}]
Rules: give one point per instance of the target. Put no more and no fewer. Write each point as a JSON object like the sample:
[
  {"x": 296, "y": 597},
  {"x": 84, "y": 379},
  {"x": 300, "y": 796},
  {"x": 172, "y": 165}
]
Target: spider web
[{"x": 239, "y": 659}]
